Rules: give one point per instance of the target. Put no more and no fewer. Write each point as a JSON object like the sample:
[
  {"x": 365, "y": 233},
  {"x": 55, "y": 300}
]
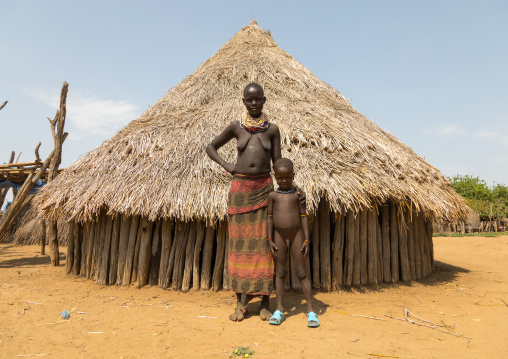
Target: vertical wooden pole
[
  {"x": 172, "y": 260},
  {"x": 167, "y": 241},
  {"x": 379, "y": 241},
  {"x": 70, "y": 250},
  {"x": 189, "y": 256},
  {"x": 422, "y": 239},
  {"x": 206, "y": 268},
  {"x": 131, "y": 248},
  {"x": 316, "y": 281},
  {"x": 324, "y": 245},
  {"x": 181, "y": 242},
  {"x": 350, "y": 248},
  {"x": 76, "y": 267},
  {"x": 135, "y": 263},
  {"x": 428, "y": 227},
  {"x": 338, "y": 252},
  {"x": 84, "y": 249},
  {"x": 43, "y": 239},
  {"x": 364, "y": 278},
  {"x": 123, "y": 246},
  {"x": 53, "y": 243},
  {"x": 115, "y": 242},
  {"x": 103, "y": 267},
  {"x": 90, "y": 246},
  {"x": 394, "y": 242},
  {"x": 357, "y": 261},
  {"x": 219, "y": 258},
  {"x": 200, "y": 235},
  {"x": 155, "y": 259},
  {"x": 411, "y": 247},
  {"x": 405, "y": 266},
  {"x": 372, "y": 247},
  {"x": 385, "y": 230},
  {"x": 418, "y": 254},
  {"x": 145, "y": 251},
  {"x": 225, "y": 276}
]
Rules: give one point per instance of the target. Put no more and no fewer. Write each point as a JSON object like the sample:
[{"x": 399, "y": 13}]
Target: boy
[{"x": 288, "y": 228}]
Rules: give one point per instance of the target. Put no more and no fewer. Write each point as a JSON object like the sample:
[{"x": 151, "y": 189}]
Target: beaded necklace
[
  {"x": 254, "y": 125},
  {"x": 290, "y": 190}
]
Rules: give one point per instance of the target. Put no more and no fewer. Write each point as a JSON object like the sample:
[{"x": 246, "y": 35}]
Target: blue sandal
[
  {"x": 277, "y": 318},
  {"x": 312, "y": 317}
]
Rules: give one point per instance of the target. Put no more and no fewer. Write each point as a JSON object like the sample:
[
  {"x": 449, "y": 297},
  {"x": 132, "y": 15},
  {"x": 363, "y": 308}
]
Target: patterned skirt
[{"x": 250, "y": 263}]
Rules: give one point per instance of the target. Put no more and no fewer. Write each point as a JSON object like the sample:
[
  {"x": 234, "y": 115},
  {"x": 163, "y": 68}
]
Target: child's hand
[
  {"x": 305, "y": 249},
  {"x": 273, "y": 248}
]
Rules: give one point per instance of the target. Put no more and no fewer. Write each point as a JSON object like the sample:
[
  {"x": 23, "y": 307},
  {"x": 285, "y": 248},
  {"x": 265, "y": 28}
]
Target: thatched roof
[{"x": 157, "y": 165}]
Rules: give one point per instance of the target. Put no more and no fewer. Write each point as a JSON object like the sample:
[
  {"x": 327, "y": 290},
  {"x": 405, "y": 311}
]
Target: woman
[{"x": 250, "y": 263}]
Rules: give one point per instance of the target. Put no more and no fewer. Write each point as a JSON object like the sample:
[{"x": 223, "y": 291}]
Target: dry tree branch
[{"x": 3, "y": 105}]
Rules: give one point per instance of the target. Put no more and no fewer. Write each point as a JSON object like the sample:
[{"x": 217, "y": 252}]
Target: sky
[{"x": 433, "y": 73}]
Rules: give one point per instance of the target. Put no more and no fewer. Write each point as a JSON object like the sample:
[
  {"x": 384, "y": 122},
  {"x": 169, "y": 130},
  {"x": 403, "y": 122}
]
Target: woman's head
[{"x": 254, "y": 99}]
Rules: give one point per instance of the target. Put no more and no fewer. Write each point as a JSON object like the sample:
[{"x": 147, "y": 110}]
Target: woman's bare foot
[
  {"x": 237, "y": 316},
  {"x": 264, "y": 313}
]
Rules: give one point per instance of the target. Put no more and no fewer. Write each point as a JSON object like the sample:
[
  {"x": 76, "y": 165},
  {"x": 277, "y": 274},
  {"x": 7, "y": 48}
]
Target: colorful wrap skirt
[{"x": 250, "y": 262}]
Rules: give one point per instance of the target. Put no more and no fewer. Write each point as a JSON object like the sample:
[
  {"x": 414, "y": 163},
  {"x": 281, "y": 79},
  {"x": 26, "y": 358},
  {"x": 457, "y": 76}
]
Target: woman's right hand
[{"x": 229, "y": 167}]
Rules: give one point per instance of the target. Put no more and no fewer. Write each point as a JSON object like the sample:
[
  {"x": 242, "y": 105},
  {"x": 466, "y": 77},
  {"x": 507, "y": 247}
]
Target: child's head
[
  {"x": 254, "y": 99},
  {"x": 284, "y": 173}
]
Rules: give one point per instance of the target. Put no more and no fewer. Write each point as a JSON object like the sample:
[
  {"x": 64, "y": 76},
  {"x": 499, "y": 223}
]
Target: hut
[{"x": 149, "y": 207}]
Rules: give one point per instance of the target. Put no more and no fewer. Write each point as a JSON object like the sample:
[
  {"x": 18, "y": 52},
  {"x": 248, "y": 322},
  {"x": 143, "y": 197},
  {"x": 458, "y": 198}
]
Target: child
[{"x": 288, "y": 228}]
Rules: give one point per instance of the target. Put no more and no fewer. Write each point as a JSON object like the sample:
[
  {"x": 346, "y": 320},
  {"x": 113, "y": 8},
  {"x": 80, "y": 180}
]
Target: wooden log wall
[{"x": 385, "y": 244}]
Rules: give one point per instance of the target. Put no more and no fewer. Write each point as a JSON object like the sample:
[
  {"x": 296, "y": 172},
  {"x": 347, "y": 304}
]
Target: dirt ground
[{"x": 467, "y": 295}]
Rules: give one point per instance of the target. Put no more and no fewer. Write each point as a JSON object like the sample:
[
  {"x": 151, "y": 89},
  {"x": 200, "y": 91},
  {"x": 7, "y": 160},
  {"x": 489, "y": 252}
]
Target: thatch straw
[{"x": 157, "y": 166}]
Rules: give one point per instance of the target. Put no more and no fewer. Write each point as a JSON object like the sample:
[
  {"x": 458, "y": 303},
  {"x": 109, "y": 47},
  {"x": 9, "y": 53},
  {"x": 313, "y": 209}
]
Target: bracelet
[
  {"x": 269, "y": 239},
  {"x": 303, "y": 215},
  {"x": 222, "y": 162},
  {"x": 306, "y": 241},
  {"x": 270, "y": 215}
]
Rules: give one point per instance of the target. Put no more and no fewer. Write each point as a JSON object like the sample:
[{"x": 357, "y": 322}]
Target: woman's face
[{"x": 254, "y": 100}]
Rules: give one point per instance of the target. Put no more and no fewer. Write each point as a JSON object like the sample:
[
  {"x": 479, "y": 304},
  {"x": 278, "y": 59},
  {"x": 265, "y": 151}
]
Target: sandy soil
[{"x": 467, "y": 294}]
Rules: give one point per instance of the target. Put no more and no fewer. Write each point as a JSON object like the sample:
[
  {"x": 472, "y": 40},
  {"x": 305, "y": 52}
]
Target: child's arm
[
  {"x": 305, "y": 226},
  {"x": 269, "y": 225}
]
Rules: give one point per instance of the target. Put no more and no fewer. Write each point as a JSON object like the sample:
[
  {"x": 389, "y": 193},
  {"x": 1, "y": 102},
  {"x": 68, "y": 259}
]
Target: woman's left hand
[{"x": 301, "y": 196}]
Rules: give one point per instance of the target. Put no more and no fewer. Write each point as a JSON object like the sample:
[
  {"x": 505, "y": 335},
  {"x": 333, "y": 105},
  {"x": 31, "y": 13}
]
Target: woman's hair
[{"x": 283, "y": 162}]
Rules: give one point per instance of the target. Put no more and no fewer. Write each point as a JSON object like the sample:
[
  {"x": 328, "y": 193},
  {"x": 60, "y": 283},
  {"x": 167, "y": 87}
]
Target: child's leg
[
  {"x": 280, "y": 269},
  {"x": 301, "y": 270}
]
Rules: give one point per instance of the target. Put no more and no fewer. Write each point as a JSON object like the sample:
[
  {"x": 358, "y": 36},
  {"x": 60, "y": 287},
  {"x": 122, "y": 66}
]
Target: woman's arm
[
  {"x": 276, "y": 153},
  {"x": 269, "y": 225},
  {"x": 224, "y": 137}
]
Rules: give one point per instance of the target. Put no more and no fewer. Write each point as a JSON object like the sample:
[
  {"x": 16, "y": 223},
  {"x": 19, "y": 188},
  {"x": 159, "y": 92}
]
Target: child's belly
[{"x": 287, "y": 225}]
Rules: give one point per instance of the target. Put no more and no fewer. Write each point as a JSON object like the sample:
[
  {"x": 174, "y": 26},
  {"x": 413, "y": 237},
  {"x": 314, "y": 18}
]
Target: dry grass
[{"x": 157, "y": 166}]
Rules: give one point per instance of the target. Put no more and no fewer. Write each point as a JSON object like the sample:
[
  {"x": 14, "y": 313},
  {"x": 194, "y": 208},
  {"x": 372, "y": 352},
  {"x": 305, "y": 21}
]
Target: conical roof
[{"x": 157, "y": 166}]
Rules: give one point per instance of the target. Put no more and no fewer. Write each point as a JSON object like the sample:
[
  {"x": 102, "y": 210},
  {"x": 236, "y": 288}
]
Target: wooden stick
[
  {"x": 20, "y": 198},
  {"x": 350, "y": 248},
  {"x": 189, "y": 256},
  {"x": 316, "y": 280},
  {"x": 167, "y": 241},
  {"x": 3, "y": 105},
  {"x": 131, "y": 249},
  {"x": 372, "y": 247},
  {"x": 115, "y": 240},
  {"x": 364, "y": 278},
  {"x": 84, "y": 250},
  {"x": 357, "y": 262},
  {"x": 103, "y": 265},
  {"x": 206, "y": 268},
  {"x": 405, "y": 266},
  {"x": 123, "y": 245},
  {"x": 181, "y": 242},
  {"x": 422, "y": 238},
  {"x": 70, "y": 251},
  {"x": 411, "y": 248},
  {"x": 53, "y": 242},
  {"x": 77, "y": 248},
  {"x": 171, "y": 260},
  {"x": 43, "y": 239},
  {"x": 379, "y": 241},
  {"x": 338, "y": 252},
  {"x": 155, "y": 259},
  {"x": 145, "y": 251},
  {"x": 394, "y": 242},
  {"x": 324, "y": 245},
  {"x": 135, "y": 262},
  {"x": 416, "y": 239},
  {"x": 431, "y": 244},
  {"x": 200, "y": 235},
  {"x": 219, "y": 258},
  {"x": 385, "y": 232},
  {"x": 91, "y": 240}
]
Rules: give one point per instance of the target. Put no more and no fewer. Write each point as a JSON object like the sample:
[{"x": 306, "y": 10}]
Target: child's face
[
  {"x": 254, "y": 101},
  {"x": 284, "y": 177}
]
